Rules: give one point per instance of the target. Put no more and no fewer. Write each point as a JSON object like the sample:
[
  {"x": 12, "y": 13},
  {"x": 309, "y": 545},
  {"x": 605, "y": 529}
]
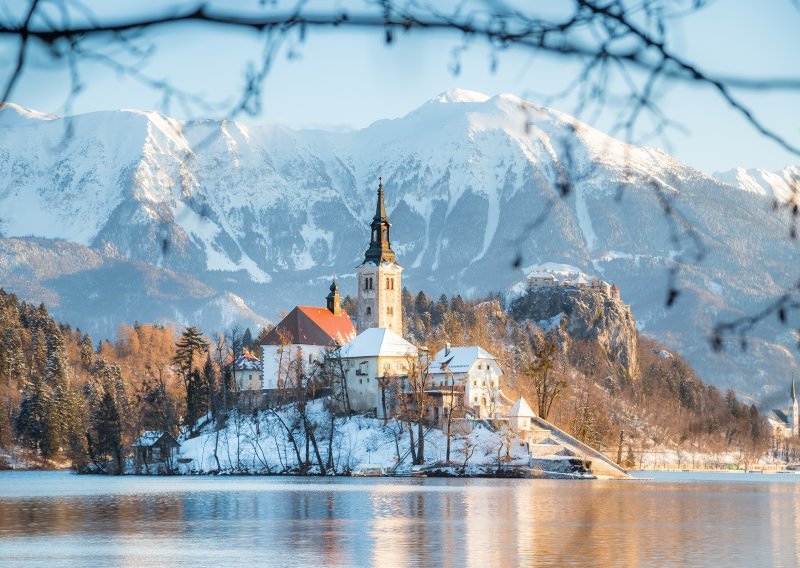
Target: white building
[
  {"x": 785, "y": 423},
  {"x": 375, "y": 356},
  {"x": 520, "y": 417},
  {"x": 304, "y": 336},
  {"x": 246, "y": 370},
  {"x": 475, "y": 371},
  {"x": 541, "y": 280}
]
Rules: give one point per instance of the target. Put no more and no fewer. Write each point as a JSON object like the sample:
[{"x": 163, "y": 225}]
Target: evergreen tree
[
  {"x": 31, "y": 422},
  {"x": 421, "y": 303},
  {"x": 87, "y": 352},
  {"x": 247, "y": 340},
  {"x": 108, "y": 404},
  {"x": 188, "y": 347}
]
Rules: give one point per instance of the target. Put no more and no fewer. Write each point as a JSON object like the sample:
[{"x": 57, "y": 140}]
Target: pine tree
[
  {"x": 247, "y": 339},
  {"x": 188, "y": 347},
  {"x": 87, "y": 352},
  {"x": 31, "y": 422}
]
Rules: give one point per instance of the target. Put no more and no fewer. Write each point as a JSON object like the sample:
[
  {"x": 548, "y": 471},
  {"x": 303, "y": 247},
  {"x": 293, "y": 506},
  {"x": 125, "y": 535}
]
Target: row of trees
[{"x": 64, "y": 399}]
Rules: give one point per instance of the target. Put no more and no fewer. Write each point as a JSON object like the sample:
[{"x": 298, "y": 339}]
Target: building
[
  {"x": 303, "y": 337},
  {"x": 246, "y": 371},
  {"x": 474, "y": 371},
  {"x": 154, "y": 449},
  {"x": 380, "y": 277},
  {"x": 521, "y": 416},
  {"x": 541, "y": 280},
  {"x": 371, "y": 361},
  {"x": 784, "y": 422}
]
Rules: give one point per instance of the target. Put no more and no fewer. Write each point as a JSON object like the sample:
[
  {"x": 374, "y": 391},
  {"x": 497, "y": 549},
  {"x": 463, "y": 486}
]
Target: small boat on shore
[{"x": 368, "y": 470}]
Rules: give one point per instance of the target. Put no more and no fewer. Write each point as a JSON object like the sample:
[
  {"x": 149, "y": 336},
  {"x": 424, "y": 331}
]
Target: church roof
[
  {"x": 309, "y": 325},
  {"x": 458, "y": 359},
  {"x": 378, "y": 342},
  {"x": 521, "y": 409},
  {"x": 780, "y": 415}
]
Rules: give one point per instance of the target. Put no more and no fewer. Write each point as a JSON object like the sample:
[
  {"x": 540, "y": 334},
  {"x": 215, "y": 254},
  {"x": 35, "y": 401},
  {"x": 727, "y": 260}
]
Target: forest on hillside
[{"x": 68, "y": 401}]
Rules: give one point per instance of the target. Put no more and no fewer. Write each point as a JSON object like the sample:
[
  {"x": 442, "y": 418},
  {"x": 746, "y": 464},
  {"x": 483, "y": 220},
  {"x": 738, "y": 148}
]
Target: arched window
[{"x": 368, "y": 311}]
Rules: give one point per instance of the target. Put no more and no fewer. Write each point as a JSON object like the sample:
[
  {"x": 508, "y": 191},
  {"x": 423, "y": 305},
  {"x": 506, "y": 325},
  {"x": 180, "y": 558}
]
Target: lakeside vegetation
[{"x": 67, "y": 401}]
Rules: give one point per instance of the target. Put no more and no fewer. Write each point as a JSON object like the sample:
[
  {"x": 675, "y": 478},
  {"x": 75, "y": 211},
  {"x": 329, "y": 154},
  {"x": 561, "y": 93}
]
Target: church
[{"x": 784, "y": 422}]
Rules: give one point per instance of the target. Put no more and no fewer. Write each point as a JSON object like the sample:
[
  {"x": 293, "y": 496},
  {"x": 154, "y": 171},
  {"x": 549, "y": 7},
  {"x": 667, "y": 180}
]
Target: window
[
  {"x": 361, "y": 381},
  {"x": 368, "y": 311},
  {"x": 390, "y": 310},
  {"x": 309, "y": 358},
  {"x": 474, "y": 383},
  {"x": 387, "y": 284}
]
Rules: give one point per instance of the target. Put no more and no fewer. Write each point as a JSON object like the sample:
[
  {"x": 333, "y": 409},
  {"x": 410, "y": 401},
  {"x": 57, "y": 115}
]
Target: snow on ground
[{"x": 261, "y": 444}]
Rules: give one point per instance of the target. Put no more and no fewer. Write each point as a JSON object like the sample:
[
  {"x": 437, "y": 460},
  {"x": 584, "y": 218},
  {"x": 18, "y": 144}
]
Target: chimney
[{"x": 447, "y": 349}]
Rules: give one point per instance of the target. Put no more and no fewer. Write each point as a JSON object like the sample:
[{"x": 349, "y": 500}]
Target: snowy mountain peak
[
  {"x": 460, "y": 96},
  {"x": 12, "y": 114},
  {"x": 781, "y": 185}
]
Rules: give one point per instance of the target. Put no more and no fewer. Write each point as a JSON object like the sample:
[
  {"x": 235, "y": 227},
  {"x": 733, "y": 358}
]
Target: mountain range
[{"x": 113, "y": 217}]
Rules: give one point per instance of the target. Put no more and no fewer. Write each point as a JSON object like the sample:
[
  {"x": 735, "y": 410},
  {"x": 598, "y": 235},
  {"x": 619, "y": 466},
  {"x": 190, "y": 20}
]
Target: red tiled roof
[{"x": 310, "y": 325}]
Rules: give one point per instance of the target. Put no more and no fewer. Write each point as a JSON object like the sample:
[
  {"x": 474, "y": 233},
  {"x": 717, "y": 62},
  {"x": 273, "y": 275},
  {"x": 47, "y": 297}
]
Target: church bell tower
[
  {"x": 380, "y": 277},
  {"x": 793, "y": 413}
]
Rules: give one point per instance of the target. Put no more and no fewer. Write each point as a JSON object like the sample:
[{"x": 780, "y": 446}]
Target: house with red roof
[{"x": 303, "y": 337}]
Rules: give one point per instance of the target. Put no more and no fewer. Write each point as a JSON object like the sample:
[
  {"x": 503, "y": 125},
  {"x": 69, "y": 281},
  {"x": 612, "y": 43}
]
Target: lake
[{"x": 675, "y": 519}]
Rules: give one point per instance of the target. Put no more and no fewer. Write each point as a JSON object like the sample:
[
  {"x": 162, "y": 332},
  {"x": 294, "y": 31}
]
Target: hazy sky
[{"x": 348, "y": 79}]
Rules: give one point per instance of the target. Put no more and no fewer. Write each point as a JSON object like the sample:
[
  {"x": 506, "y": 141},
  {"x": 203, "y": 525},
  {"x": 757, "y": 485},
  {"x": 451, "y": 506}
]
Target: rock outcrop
[{"x": 585, "y": 314}]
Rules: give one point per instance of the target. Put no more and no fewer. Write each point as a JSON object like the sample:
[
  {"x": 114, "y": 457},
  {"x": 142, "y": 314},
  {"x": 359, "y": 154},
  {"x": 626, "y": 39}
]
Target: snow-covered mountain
[{"x": 127, "y": 215}]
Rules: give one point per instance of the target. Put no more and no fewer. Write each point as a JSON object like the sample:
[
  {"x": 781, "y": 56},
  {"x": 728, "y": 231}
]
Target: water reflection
[{"x": 53, "y": 519}]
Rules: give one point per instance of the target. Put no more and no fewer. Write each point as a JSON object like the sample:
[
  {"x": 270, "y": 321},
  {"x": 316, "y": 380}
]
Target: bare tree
[{"x": 547, "y": 383}]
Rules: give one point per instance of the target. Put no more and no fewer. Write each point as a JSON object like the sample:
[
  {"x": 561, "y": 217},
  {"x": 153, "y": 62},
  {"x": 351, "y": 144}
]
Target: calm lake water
[{"x": 59, "y": 519}]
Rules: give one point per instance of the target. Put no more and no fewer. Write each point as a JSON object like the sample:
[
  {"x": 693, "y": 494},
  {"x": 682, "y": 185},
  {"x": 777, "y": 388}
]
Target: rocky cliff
[{"x": 591, "y": 315}]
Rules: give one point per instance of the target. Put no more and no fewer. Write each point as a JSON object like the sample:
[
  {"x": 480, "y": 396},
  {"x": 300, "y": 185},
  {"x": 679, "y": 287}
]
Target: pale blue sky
[{"x": 351, "y": 78}]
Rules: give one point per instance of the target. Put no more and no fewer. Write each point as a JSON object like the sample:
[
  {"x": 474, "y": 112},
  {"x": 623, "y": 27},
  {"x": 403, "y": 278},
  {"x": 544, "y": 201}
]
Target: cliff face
[{"x": 585, "y": 315}]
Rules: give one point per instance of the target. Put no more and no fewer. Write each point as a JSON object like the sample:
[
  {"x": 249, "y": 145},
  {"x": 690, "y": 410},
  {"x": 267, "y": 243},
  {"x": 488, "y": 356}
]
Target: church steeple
[
  {"x": 334, "y": 300},
  {"x": 793, "y": 393},
  {"x": 380, "y": 248}
]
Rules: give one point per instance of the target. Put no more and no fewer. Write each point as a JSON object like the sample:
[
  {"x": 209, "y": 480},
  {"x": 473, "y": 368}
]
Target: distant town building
[
  {"x": 541, "y": 280},
  {"x": 784, "y": 422},
  {"x": 544, "y": 279}
]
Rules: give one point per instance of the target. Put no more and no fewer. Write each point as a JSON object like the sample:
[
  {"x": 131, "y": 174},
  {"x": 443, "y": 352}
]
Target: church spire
[
  {"x": 380, "y": 248},
  {"x": 380, "y": 211},
  {"x": 794, "y": 393},
  {"x": 333, "y": 301}
]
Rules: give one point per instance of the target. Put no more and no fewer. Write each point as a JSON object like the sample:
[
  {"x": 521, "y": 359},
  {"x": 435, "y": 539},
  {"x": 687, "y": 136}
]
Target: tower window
[
  {"x": 387, "y": 284},
  {"x": 390, "y": 310},
  {"x": 369, "y": 311}
]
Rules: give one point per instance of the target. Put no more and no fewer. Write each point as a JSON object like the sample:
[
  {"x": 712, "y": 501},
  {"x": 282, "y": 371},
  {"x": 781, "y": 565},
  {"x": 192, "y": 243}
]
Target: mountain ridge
[{"x": 268, "y": 213}]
